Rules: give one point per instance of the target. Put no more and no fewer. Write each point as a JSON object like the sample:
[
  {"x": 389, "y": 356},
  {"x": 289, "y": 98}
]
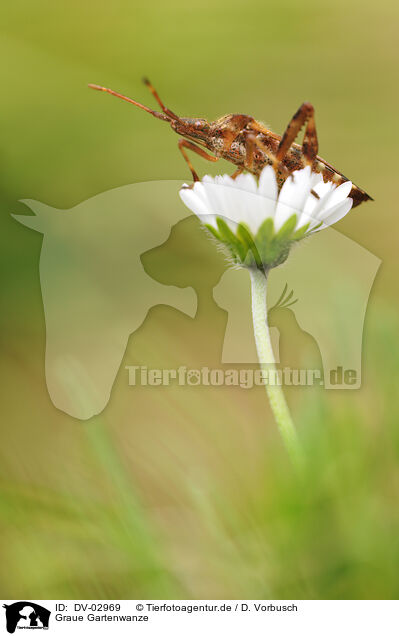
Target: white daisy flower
[{"x": 257, "y": 222}]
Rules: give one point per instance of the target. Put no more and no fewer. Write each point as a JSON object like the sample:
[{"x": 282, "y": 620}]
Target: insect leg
[
  {"x": 280, "y": 169},
  {"x": 304, "y": 115},
  {"x": 253, "y": 141},
  {"x": 183, "y": 143},
  {"x": 250, "y": 144},
  {"x": 237, "y": 172}
]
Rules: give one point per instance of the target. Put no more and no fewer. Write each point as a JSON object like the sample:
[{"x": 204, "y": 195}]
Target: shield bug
[{"x": 247, "y": 143}]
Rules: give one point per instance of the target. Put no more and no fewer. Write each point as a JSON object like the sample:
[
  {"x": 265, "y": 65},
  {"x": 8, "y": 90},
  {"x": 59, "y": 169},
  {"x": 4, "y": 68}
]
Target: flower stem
[{"x": 267, "y": 364}]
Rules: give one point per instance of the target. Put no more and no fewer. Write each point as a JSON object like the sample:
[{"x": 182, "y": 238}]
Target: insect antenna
[
  {"x": 165, "y": 116},
  {"x": 158, "y": 99}
]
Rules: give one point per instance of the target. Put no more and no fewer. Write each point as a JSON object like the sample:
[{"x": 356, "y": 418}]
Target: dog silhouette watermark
[{"x": 107, "y": 261}]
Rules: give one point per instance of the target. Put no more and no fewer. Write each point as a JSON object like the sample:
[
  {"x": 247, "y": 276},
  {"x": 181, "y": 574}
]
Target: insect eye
[{"x": 200, "y": 124}]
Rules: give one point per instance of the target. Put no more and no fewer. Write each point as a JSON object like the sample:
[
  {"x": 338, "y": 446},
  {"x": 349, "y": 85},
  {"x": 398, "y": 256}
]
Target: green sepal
[
  {"x": 251, "y": 251},
  {"x": 265, "y": 233},
  {"x": 287, "y": 229},
  {"x": 230, "y": 239},
  {"x": 301, "y": 232},
  {"x": 213, "y": 231},
  {"x": 267, "y": 249}
]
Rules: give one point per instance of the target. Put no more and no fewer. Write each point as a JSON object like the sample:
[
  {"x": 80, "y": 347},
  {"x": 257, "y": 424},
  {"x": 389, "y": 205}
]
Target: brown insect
[{"x": 248, "y": 144}]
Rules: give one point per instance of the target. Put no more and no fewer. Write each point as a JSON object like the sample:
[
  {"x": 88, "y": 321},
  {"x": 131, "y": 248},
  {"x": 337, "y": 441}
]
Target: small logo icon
[{"x": 26, "y": 615}]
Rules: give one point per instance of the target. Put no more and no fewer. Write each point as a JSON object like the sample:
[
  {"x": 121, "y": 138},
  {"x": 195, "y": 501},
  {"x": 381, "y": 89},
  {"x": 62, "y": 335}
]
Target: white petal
[
  {"x": 243, "y": 204},
  {"x": 262, "y": 203},
  {"x": 258, "y": 208},
  {"x": 323, "y": 187},
  {"x": 305, "y": 181},
  {"x": 331, "y": 196},
  {"x": 337, "y": 212},
  {"x": 215, "y": 194},
  {"x": 308, "y": 209},
  {"x": 199, "y": 190},
  {"x": 267, "y": 188},
  {"x": 340, "y": 194},
  {"x": 317, "y": 179},
  {"x": 245, "y": 182},
  {"x": 244, "y": 201},
  {"x": 224, "y": 203},
  {"x": 306, "y": 216},
  {"x": 283, "y": 213},
  {"x": 224, "y": 179},
  {"x": 248, "y": 207},
  {"x": 193, "y": 201},
  {"x": 293, "y": 196}
]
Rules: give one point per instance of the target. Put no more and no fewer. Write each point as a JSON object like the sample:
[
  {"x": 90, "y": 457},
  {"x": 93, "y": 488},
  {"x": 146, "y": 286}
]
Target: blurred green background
[{"x": 189, "y": 493}]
